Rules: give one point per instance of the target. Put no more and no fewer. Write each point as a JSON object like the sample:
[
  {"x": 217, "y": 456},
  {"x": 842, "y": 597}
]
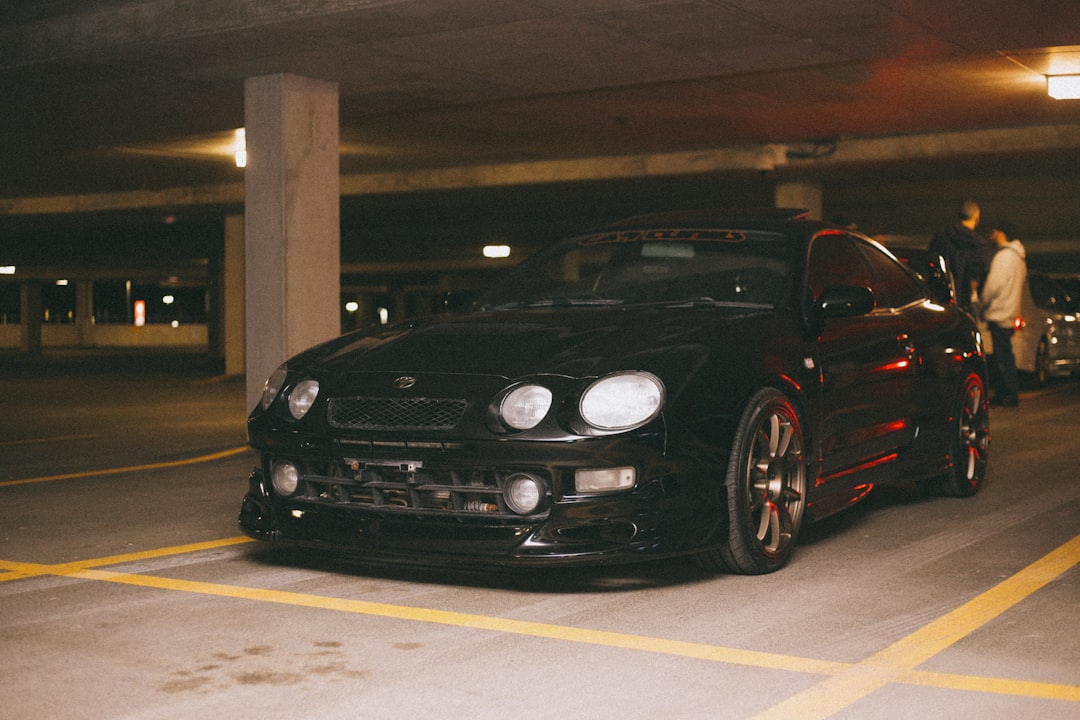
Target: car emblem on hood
[{"x": 404, "y": 382}]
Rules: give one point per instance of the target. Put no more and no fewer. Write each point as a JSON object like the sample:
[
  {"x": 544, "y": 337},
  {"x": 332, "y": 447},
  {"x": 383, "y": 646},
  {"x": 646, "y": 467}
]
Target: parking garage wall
[{"x": 192, "y": 336}]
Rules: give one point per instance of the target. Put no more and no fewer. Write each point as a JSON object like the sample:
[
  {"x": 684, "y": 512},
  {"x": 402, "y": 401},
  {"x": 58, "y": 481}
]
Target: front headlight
[
  {"x": 622, "y": 401},
  {"x": 524, "y": 407},
  {"x": 303, "y": 397},
  {"x": 272, "y": 386}
]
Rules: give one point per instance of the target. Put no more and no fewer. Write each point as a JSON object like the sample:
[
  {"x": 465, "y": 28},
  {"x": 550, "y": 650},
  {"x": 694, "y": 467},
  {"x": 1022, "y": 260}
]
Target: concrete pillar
[
  {"x": 232, "y": 296},
  {"x": 215, "y": 309},
  {"x": 292, "y": 236},
  {"x": 800, "y": 195},
  {"x": 84, "y": 313},
  {"x": 31, "y": 303}
]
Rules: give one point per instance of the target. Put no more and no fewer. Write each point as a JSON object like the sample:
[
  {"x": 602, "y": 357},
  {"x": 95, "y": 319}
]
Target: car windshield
[
  {"x": 1055, "y": 293},
  {"x": 673, "y": 267}
]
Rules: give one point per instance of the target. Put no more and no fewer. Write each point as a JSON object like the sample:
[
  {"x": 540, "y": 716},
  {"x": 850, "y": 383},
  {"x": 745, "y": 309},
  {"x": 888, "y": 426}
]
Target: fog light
[
  {"x": 604, "y": 479},
  {"x": 523, "y": 493},
  {"x": 285, "y": 477}
]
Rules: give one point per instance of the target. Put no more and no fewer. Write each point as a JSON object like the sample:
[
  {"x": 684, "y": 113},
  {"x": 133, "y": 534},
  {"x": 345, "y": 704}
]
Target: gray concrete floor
[{"x": 127, "y": 592}]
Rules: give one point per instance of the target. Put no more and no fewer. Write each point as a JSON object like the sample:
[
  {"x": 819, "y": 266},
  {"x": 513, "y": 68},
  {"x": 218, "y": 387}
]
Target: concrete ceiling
[{"x": 107, "y": 96}]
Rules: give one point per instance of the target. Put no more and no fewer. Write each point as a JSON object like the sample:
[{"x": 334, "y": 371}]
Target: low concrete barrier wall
[{"x": 68, "y": 335}]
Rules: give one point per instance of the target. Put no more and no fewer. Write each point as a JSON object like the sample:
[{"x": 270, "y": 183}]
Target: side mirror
[{"x": 844, "y": 301}]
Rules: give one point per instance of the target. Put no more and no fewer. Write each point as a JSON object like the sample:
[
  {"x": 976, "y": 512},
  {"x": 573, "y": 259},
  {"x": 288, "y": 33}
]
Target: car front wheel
[{"x": 766, "y": 488}]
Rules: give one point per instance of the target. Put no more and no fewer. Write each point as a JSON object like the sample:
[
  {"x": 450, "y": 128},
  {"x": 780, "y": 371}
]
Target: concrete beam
[
  {"x": 202, "y": 195},
  {"x": 926, "y": 146},
  {"x": 851, "y": 151}
]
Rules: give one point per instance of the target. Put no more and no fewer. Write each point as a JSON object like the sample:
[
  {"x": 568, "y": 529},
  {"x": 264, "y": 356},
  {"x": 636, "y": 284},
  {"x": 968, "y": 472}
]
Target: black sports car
[{"x": 696, "y": 383}]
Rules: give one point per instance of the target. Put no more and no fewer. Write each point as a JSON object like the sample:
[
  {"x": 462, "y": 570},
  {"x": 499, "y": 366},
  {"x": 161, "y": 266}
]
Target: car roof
[{"x": 727, "y": 219}]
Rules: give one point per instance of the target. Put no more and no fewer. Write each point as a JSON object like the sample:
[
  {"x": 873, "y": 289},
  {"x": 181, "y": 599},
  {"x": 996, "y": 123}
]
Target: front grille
[
  {"x": 409, "y": 487},
  {"x": 360, "y": 413}
]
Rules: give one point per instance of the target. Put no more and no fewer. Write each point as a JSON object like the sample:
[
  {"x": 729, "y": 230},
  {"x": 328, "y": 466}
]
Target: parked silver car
[{"x": 1047, "y": 343}]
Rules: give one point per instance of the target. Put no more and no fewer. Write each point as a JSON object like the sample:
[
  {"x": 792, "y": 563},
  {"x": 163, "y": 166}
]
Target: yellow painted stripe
[
  {"x": 128, "y": 469},
  {"x": 17, "y": 570},
  {"x": 1014, "y": 589},
  {"x": 442, "y": 617},
  {"x": 894, "y": 663},
  {"x": 996, "y": 686},
  {"x": 13, "y": 575},
  {"x": 36, "y": 441}
]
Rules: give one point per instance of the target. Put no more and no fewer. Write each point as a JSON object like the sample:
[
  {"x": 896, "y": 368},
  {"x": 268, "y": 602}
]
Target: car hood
[{"x": 514, "y": 344}]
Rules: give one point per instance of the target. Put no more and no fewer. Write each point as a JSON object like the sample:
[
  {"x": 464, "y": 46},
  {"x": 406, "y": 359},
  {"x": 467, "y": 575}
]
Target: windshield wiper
[
  {"x": 707, "y": 302},
  {"x": 554, "y": 302}
]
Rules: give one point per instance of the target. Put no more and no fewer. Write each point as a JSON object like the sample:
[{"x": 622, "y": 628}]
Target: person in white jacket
[{"x": 1000, "y": 302}]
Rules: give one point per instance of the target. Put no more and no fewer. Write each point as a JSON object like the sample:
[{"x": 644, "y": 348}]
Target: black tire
[
  {"x": 766, "y": 488},
  {"x": 1042, "y": 363},
  {"x": 970, "y": 441}
]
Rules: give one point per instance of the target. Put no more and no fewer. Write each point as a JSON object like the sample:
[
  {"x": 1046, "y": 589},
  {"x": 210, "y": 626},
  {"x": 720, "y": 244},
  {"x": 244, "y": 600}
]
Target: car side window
[
  {"x": 894, "y": 286},
  {"x": 834, "y": 261}
]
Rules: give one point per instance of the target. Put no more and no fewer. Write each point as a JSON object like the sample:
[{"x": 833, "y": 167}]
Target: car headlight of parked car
[
  {"x": 622, "y": 401},
  {"x": 302, "y": 397},
  {"x": 273, "y": 386},
  {"x": 525, "y": 406}
]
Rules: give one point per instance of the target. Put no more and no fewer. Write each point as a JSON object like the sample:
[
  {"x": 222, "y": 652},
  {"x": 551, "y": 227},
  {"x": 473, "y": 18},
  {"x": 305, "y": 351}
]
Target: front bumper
[{"x": 676, "y": 507}]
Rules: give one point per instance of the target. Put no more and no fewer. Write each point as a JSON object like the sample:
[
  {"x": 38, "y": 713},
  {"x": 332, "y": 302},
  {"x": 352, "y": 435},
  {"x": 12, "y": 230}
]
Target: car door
[{"x": 867, "y": 366}]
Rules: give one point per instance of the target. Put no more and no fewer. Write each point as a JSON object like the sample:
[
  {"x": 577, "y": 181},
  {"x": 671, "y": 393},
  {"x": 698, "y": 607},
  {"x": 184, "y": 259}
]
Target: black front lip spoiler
[{"x": 619, "y": 537}]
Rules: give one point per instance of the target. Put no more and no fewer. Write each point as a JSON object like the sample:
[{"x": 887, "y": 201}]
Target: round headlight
[
  {"x": 524, "y": 407},
  {"x": 622, "y": 401},
  {"x": 285, "y": 477},
  {"x": 272, "y": 386},
  {"x": 523, "y": 493},
  {"x": 303, "y": 397}
]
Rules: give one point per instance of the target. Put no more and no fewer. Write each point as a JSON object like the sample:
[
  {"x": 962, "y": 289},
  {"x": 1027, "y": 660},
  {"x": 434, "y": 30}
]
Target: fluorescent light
[
  {"x": 240, "y": 147},
  {"x": 1063, "y": 87},
  {"x": 7, "y": 269},
  {"x": 496, "y": 251}
]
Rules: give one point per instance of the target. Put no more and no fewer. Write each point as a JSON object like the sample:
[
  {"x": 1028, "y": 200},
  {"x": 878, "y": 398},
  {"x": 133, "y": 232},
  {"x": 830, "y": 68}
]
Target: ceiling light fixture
[
  {"x": 1063, "y": 87},
  {"x": 240, "y": 147}
]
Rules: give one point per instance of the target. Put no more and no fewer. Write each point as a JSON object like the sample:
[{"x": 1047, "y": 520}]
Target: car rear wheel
[
  {"x": 970, "y": 441},
  {"x": 1042, "y": 363},
  {"x": 766, "y": 488}
]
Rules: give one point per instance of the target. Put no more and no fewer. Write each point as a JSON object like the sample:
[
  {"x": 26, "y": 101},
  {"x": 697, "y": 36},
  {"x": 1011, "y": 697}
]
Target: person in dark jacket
[{"x": 966, "y": 252}]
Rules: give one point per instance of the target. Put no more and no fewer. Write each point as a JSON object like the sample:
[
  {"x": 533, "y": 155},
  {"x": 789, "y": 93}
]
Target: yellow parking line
[
  {"x": 36, "y": 441},
  {"x": 17, "y": 570},
  {"x": 897, "y": 662},
  {"x": 994, "y": 686},
  {"x": 846, "y": 683},
  {"x": 128, "y": 469},
  {"x": 81, "y": 570}
]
